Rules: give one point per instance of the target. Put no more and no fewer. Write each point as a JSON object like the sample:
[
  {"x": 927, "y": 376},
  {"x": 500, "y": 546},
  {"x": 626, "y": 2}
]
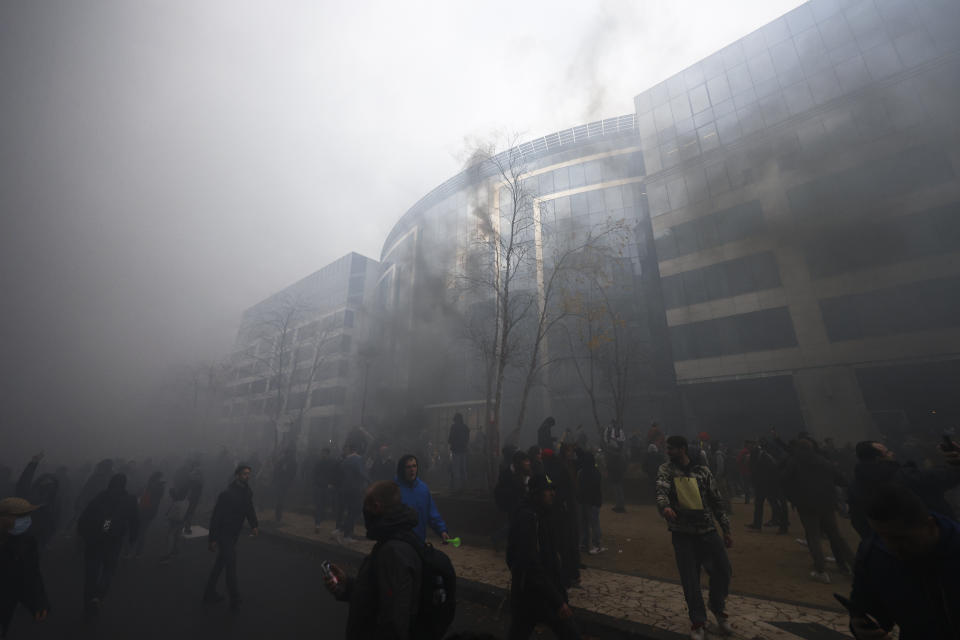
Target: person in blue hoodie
[
  {"x": 416, "y": 494},
  {"x": 907, "y": 572}
]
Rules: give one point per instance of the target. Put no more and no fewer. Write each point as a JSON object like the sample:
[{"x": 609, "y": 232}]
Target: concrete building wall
[{"x": 804, "y": 193}]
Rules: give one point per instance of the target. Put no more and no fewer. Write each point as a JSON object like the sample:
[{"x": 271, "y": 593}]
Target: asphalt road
[{"x": 281, "y": 585}]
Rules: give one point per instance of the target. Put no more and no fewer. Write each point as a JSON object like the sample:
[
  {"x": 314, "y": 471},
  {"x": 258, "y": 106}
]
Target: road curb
[{"x": 589, "y": 622}]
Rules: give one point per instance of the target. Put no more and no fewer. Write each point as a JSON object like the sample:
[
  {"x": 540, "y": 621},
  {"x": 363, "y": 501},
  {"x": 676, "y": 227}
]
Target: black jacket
[
  {"x": 44, "y": 491},
  {"x": 112, "y": 515},
  {"x": 919, "y": 596},
  {"x": 459, "y": 438},
  {"x": 534, "y": 560},
  {"x": 385, "y": 595},
  {"x": 928, "y": 484},
  {"x": 233, "y": 507},
  {"x": 589, "y": 481},
  {"x": 808, "y": 481},
  {"x": 22, "y": 581}
]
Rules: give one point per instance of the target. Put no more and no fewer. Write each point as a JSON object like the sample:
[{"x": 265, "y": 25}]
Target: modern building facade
[
  {"x": 295, "y": 378},
  {"x": 584, "y": 180},
  {"x": 804, "y": 194}
]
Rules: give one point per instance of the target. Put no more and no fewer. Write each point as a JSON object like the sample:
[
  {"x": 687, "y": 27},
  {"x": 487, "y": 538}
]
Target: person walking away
[
  {"x": 809, "y": 481},
  {"x": 616, "y": 472},
  {"x": 416, "y": 494},
  {"x": 688, "y": 499},
  {"x": 510, "y": 490},
  {"x": 175, "y": 515},
  {"x": 45, "y": 491},
  {"x": 385, "y": 594},
  {"x": 285, "y": 473},
  {"x": 590, "y": 496},
  {"x": 354, "y": 482},
  {"x": 907, "y": 572},
  {"x": 562, "y": 471},
  {"x": 149, "y": 507},
  {"x": 21, "y": 581},
  {"x": 459, "y": 442},
  {"x": 537, "y": 594},
  {"x": 765, "y": 473},
  {"x": 233, "y": 507},
  {"x": 545, "y": 438},
  {"x": 324, "y": 487},
  {"x": 108, "y": 519}
]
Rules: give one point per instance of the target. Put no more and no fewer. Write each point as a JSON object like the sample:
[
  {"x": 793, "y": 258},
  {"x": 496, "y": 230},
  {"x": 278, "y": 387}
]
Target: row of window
[
  {"x": 919, "y": 306},
  {"x": 268, "y": 406},
  {"x": 721, "y": 227},
  {"x": 722, "y": 280},
  {"x": 756, "y": 331},
  {"x": 885, "y": 241}
]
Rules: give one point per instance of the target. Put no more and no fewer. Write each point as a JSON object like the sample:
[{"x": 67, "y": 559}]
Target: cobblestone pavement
[{"x": 620, "y": 596}]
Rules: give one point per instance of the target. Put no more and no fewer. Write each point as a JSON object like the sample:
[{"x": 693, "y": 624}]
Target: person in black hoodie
[
  {"x": 233, "y": 507},
  {"x": 109, "y": 517},
  {"x": 384, "y": 595},
  {"x": 809, "y": 481},
  {"x": 20, "y": 577},
  {"x": 562, "y": 471},
  {"x": 537, "y": 594},
  {"x": 877, "y": 466},
  {"x": 45, "y": 491},
  {"x": 907, "y": 572}
]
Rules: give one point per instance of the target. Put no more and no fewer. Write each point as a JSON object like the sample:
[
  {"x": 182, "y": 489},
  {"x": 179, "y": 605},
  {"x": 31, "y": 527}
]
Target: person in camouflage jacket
[{"x": 690, "y": 501}]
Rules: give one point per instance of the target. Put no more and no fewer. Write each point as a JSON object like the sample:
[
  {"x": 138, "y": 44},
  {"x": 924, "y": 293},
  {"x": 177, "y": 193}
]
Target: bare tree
[{"x": 291, "y": 333}]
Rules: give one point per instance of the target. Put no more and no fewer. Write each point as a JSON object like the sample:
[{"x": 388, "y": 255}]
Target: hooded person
[
  {"x": 107, "y": 520},
  {"x": 234, "y": 505},
  {"x": 537, "y": 592},
  {"x": 20, "y": 579},
  {"x": 545, "y": 438},
  {"x": 385, "y": 594},
  {"x": 416, "y": 494},
  {"x": 96, "y": 483}
]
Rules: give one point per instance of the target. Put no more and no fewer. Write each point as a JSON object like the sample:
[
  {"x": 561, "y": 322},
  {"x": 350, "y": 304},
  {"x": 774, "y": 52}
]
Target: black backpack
[{"x": 438, "y": 590}]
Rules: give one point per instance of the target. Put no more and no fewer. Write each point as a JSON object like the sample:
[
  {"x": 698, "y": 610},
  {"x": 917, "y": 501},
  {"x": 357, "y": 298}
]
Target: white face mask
[{"x": 20, "y": 525}]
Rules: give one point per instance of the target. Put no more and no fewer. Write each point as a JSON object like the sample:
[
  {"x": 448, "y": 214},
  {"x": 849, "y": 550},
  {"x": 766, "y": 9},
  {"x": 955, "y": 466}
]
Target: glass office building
[{"x": 803, "y": 193}]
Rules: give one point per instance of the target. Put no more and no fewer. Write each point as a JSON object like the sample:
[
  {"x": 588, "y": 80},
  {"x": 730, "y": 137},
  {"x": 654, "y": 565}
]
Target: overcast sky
[{"x": 168, "y": 163}]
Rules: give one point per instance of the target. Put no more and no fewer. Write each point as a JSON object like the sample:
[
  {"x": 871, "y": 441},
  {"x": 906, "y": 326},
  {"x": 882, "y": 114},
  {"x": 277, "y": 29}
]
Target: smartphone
[
  {"x": 854, "y": 612},
  {"x": 327, "y": 571}
]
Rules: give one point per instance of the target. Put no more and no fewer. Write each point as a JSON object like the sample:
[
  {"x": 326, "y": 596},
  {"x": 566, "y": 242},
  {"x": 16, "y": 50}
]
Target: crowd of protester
[{"x": 550, "y": 494}]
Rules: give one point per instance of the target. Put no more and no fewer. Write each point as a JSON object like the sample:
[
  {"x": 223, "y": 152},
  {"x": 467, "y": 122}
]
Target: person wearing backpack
[
  {"x": 405, "y": 589},
  {"x": 110, "y": 516}
]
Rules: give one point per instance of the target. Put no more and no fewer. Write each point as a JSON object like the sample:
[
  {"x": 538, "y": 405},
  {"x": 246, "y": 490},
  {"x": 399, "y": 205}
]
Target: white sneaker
[
  {"x": 698, "y": 633},
  {"x": 337, "y": 535},
  {"x": 821, "y": 576},
  {"x": 723, "y": 624},
  {"x": 595, "y": 550}
]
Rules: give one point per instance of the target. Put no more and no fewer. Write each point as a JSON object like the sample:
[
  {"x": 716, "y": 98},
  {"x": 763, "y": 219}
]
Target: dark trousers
[
  {"x": 824, "y": 521},
  {"x": 526, "y": 613},
  {"x": 323, "y": 499},
  {"x": 694, "y": 551},
  {"x": 352, "y": 502},
  {"x": 100, "y": 561},
  {"x": 617, "y": 495},
  {"x": 226, "y": 559},
  {"x": 589, "y": 526},
  {"x": 777, "y": 505}
]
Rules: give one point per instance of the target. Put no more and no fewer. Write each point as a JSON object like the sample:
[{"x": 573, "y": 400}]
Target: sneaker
[
  {"x": 212, "y": 598},
  {"x": 697, "y": 632},
  {"x": 800, "y": 541},
  {"x": 316, "y": 529},
  {"x": 723, "y": 624},
  {"x": 820, "y": 576},
  {"x": 337, "y": 535},
  {"x": 595, "y": 550},
  {"x": 844, "y": 570}
]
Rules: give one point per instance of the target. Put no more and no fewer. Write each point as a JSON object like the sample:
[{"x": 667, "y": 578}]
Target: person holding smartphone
[{"x": 907, "y": 572}]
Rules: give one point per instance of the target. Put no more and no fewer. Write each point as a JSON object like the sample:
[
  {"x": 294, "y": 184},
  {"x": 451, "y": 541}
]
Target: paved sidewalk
[{"x": 652, "y": 608}]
